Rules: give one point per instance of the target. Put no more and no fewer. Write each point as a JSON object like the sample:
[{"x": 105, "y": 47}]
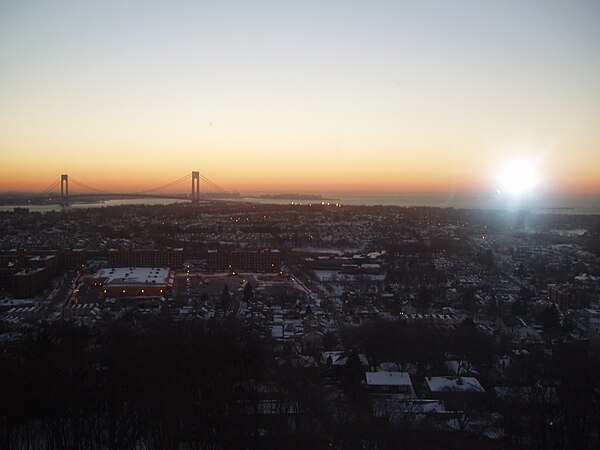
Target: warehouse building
[{"x": 140, "y": 282}]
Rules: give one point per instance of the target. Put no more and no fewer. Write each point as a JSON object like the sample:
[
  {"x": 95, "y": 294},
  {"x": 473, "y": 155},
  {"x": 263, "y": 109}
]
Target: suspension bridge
[{"x": 211, "y": 190}]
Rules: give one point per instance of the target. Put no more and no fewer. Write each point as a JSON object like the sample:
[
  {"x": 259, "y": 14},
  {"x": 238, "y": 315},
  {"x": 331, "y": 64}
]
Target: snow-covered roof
[
  {"x": 388, "y": 378},
  {"x": 458, "y": 384},
  {"x": 135, "y": 276}
]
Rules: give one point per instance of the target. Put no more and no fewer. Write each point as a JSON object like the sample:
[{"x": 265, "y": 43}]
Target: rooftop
[
  {"x": 458, "y": 384},
  {"x": 388, "y": 379},
  {"x": 129, "y": 276}
]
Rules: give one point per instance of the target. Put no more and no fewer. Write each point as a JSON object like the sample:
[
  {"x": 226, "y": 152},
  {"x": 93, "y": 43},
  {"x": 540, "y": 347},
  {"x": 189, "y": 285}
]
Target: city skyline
[{"x": 311, "y": 97}]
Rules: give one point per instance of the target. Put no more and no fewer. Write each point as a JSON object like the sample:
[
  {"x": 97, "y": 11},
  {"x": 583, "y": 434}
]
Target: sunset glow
[{"x": 393, "y": 97}]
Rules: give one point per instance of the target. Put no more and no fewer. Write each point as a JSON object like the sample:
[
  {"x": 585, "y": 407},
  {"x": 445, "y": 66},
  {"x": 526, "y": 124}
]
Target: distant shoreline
[
  {"x": 24, "y": 199},
  {"x": 568, "y": 204}
]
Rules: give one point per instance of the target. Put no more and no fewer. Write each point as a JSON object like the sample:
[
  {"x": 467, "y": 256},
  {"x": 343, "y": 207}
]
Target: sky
[{"x": 395, "y": 96}]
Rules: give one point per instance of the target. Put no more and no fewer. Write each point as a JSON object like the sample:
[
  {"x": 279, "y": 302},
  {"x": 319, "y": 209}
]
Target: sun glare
[{"x": 518, "y": 177}]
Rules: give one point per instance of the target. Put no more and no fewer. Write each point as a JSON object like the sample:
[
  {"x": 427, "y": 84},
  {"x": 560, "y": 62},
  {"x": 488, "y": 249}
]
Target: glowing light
[{"x": 518, "y": 177}]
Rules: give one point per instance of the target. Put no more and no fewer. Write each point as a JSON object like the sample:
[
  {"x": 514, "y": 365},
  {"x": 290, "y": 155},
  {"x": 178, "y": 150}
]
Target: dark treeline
[
  {"x": 159, "y": 384},
  {"x": 425, "y": 345},
  {"x": 553, "y": 391},
  {"x": 149, "y": 385}
]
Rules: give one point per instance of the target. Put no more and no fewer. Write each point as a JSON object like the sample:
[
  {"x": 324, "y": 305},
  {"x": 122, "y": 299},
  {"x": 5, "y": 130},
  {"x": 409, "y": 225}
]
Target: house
[
  {"x": 458, "y": 393},
  {"x": 441, "y": 385},
  {"x": 383, "y": 382}
]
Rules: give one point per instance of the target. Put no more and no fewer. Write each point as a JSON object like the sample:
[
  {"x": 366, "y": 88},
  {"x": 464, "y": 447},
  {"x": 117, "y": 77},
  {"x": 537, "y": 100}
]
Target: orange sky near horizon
[
  {"x": 404, "y": 174},
  {"x": 416, "y": 96}
]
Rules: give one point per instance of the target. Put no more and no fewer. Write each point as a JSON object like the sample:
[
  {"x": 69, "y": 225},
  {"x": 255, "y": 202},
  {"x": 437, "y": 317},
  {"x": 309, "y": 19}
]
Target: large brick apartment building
[
  {"x": 247, "y": 260},
  {"x": 169, "y": 257}
]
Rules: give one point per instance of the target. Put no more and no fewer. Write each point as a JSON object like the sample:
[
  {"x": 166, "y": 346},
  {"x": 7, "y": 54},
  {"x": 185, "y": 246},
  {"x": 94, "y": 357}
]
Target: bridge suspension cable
[
  {"x": 165, "y": 186},
  {"x": 213, "y": 185},
  {"x": 51, "y": 187},
  {"x": 85, "y": 186}
]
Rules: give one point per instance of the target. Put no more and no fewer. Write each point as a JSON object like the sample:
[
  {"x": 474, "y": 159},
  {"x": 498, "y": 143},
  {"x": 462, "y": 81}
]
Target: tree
[
  {"x": 353, "y": 375},
  {"x": 471, "y": 345},
  {"x": 423, "y": 298},
  {"x": 225, "y": 297},
  {"x": 468, "y": 298},
  {"x": 330, "y": 342},
  {"x": 486, "y": 259},
  {"x": 550, "y": 318},
  {"x": 248, "y": 293}
]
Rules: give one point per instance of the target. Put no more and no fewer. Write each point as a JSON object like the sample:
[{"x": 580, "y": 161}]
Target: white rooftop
[
  {"x": 136, "y": 276},
  {"x": 457, "y": 384},
  {"x": 388, "y": 379}
]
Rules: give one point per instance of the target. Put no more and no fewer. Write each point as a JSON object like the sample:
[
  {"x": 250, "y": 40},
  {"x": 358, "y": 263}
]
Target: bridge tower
[
  {"x": 64, "y": 189},
  {"x": 195, "y": 187}
]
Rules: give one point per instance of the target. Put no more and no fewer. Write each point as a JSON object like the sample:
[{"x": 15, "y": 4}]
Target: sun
[{"x": 518, "y": 178}]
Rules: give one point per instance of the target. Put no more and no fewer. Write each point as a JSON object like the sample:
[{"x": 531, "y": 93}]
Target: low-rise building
[
  {"x": 120, "y": 282},
  {"x": 383, "y": 382}
]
